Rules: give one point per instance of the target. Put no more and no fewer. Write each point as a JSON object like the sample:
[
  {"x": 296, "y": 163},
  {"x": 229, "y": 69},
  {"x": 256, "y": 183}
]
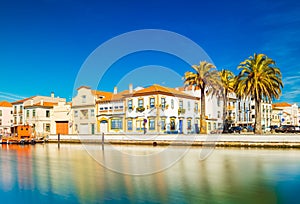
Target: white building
[
  {"x": 62, "y": 119},
  {"x": 35, "y": 111},
  {"x": 84, "y": 109},
  {"x": 159, "y": 109},
  {"x": 6, "y": 117},
  {"x": 287, "y": 114},
  {"x": 213, "y": 109}
]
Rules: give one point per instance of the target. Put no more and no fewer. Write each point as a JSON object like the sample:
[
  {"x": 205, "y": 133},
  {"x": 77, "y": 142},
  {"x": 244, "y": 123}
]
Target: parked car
[
  {"x": 235, "y": 129},
  {"x": 271, "y": 128},
  {"x": 286, "y": 129}
]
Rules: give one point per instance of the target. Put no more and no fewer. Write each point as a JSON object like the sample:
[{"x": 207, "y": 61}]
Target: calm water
[{"x": 46, "y": 174}]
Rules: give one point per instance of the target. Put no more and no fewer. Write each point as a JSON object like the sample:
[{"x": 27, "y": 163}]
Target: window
[
  {"x": 129, "y": 104},
  {"x": 92, "y": 112},
  {"x": 219, "y": 114},
  {"x": 21, "y": 120},
  {"x": 196, "y": 107},
  {"x": 215, "y": 126},
  {"x": 0, "y": 112},
  {"x": 140, "y": 124},
  {"x": 163, "y": 103},
  {"x": 33, "y": 113},
  {"x": 101, "y": 109},
  {"x": 209, "y": 126},
  {"x": 189, "y": 105},
  {"x": 172, "y": 103},
  {"x": 47, "y": 113},
  {"x": 163, "y": 124},
  {"x": 84, "y": 99},
  {"x": 218, "y": 101},
  {"x": 75, "y": 114},
  {"x": 152, "y": 124},
  {"x": 189, "y": 125},
  {"x": 93, "y": 128},
  {"x": 0, "y": 121},
  {"x": 152, "y": 102},
  {"x": 27, "y": 113},
  {"x": 181, "y": 104},
  {"x": 116, "y": 123},
  {"x": 140, "y": 103},
  {"x": 47, "y": 127},
  {"x": 129, "y": 125},
  {"x": 252, "y": 107}
]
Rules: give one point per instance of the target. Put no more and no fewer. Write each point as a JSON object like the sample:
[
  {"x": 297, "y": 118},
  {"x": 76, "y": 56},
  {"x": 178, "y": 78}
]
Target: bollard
[
  {"x": 103, "y": 141},
  {"x": 58, "y": 140}
]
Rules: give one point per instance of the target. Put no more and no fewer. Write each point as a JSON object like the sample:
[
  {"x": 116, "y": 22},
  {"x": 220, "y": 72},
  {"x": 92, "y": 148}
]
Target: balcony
[
  {"x": 181, "y": 111},
  {"x": 230, "y": 108},
  {"x": 140, "y": 109}
]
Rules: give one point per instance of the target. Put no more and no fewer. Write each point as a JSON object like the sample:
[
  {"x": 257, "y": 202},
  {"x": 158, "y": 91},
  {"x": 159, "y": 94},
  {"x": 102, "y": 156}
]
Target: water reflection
[{"x": 44, "y": 173}]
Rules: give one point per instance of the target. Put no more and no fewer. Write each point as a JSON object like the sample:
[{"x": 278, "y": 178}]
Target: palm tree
[
  {"x": 204, "y": 79},
  {"x": 227, "y": 80},
  {"x": 260, "y": 79}
]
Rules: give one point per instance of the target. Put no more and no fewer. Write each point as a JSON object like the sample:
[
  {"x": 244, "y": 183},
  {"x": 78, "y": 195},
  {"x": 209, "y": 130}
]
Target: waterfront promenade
[{"x": 219, "y": 140}]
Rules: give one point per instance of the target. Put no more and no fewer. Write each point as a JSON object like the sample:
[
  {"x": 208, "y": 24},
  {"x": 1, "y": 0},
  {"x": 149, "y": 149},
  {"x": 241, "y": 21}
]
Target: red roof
[
  {"x": 281, "y": 104},
  {"x": 5, "y": 104},
  {"x": 23, "y": 100}
]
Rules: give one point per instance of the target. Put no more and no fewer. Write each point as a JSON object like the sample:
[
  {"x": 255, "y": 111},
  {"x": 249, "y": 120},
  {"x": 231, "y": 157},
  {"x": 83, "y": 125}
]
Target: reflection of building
[{"x": 6, "y": 118}]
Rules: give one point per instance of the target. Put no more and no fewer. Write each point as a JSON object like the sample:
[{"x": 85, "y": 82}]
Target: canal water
[{"x": 44, "y": 173}]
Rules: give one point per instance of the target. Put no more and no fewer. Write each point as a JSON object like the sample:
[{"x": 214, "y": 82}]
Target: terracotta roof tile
[
  {"x": 158, "y": 89},
  {"x": 23, "y": 100},
  {"x": 281, "y": 104},
  {"x": 5, "y": 104},
  {"x": 45, "y": 104}
]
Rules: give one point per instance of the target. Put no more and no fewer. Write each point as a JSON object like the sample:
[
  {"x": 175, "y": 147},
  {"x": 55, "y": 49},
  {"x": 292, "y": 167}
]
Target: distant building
[
  {"x": 159, "y": 109},
  {"x": 84, "y": 110},
  {"x": 6, "y": 117},
  {"x": 288, "y": 114},
  {"x": 35, "y": 111},
  {"x": 62, "y": 119}
]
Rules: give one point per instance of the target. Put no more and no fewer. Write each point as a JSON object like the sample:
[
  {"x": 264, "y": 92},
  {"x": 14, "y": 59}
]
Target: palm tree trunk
[
  {"x": 258, "y": 128},
  {"x": 224, "y": 112},
  {"x": 202, "y": 114}
]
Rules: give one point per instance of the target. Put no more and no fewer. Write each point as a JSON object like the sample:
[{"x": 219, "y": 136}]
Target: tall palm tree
[
  {"x": 228, "y": 81},
  {"x": 204, "y": 78},
  {"x": 260, "y": 79}
]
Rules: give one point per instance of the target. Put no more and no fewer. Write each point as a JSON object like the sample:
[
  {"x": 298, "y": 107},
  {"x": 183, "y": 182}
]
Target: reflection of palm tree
[
  {"x": 260, "y": 79},
  {"x": 204, "y": 79},
  {"x": 228, "y": 80}
]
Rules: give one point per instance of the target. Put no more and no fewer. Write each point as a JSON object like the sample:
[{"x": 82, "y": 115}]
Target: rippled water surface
[{"x": 44, "y": 173}]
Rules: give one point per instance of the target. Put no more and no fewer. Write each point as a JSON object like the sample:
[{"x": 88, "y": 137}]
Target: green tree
[
  {"x": 260, "y": 79},
  {"x": 205, "y": 78},
  {"x": 228, "y": 81}
]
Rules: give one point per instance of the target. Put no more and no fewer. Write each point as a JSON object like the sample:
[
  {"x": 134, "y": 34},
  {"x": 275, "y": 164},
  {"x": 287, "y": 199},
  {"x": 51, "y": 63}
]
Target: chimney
[
  {"x": 130, "y": 88},
  {"x": 42, "y": 102},
  {"x": 115, "y": 90},
  {"x": 52, "y": 94}
]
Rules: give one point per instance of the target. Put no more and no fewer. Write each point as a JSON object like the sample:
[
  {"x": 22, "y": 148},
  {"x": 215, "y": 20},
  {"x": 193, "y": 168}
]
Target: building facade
[{"x": 6, "y": 117}]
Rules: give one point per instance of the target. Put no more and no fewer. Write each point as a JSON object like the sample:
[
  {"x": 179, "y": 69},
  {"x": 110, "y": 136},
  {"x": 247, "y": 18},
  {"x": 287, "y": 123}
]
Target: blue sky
[{"x": 44, "y": 43}]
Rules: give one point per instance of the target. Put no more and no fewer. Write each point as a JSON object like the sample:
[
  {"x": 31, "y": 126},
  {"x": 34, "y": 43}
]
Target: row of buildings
[{"x": 153, "y": 109}]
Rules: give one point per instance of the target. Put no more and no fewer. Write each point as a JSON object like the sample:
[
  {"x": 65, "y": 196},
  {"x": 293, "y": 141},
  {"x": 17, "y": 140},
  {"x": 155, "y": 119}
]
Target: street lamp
[{"x": 280, "y": 114}]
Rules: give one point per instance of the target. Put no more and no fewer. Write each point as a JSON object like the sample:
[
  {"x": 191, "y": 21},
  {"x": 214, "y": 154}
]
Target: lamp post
[{"x": 280, "y": 114}]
